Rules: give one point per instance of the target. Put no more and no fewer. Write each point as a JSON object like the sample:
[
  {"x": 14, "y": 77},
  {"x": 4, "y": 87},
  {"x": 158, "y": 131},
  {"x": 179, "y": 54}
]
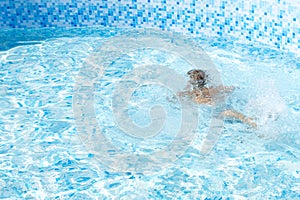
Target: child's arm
[
  {"x": 239, "y": 116},
  {"x": 186, "y": 91}
]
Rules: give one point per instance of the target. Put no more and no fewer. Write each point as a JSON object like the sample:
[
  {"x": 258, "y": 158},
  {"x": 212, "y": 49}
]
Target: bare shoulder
[
  {"x": 220, "y": 89},
  {"x": 203, "y": 100}
]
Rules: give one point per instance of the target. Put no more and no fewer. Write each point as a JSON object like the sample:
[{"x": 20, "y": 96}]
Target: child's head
[{"x": 197, "y": 77}]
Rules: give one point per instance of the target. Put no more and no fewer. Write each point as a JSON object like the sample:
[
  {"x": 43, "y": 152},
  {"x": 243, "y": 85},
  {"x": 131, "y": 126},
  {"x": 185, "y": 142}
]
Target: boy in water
[{"x": 198, "y": 92}]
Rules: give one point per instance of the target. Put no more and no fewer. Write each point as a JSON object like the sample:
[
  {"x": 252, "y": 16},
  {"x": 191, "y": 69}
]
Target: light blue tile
[{"x": 257, "y": 20}]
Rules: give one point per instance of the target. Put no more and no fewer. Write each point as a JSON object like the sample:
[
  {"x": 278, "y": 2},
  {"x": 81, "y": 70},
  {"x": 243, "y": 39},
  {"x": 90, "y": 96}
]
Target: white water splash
[{"x": 269, "y": 107}]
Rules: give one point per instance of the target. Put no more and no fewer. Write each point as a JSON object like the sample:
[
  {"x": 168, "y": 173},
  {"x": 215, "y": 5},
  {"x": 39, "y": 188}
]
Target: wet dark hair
[{"x": 198, "y": 78}]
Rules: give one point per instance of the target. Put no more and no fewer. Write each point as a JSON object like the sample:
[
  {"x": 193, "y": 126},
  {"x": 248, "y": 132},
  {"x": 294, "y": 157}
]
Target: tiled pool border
[{"x": 275, "y": 22}]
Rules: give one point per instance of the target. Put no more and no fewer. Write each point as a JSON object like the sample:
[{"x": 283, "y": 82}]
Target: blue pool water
[{"x": 42, "y": 155}]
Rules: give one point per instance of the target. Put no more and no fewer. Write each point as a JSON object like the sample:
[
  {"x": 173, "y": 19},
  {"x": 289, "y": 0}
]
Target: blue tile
[{"x": 189, "y": 15}]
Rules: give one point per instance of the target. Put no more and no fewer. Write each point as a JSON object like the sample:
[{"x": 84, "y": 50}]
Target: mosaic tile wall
[{"x": 276, "y": 22}]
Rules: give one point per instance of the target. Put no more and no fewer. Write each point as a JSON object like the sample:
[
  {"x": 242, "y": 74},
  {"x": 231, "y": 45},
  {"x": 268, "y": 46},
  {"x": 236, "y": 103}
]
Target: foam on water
[{"x": 269, "y": 107}]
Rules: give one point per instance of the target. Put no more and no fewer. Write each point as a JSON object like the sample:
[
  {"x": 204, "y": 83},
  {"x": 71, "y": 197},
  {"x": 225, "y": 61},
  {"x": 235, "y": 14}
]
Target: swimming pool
[
  {"x": 118, "y": 74},
  {"x": 43, "y": 157}
]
